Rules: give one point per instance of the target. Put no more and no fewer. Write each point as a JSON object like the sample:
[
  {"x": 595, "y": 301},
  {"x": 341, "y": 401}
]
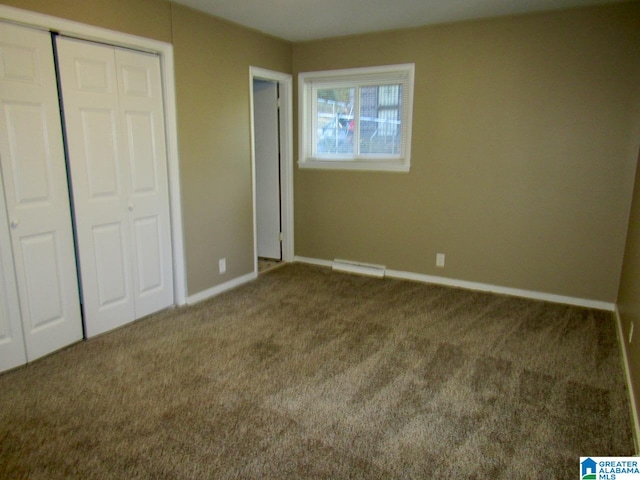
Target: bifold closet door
[
  {"x": 12, "y": 348},
  {"x": 36, "y": 194},
  {"x": 115, "y": 134}
]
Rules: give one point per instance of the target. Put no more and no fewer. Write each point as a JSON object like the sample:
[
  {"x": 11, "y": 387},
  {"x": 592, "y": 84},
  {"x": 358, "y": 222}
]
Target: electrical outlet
[
  {"x": 222, "y": 265},
  {"x": 631, "y": 332},
  {"x": 440, "y": 260}
]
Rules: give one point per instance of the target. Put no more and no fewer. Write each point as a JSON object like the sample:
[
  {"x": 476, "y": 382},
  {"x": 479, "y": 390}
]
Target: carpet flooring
[
  {"x": 266, "y": 264},
  {"x": 306, "y": 373}
]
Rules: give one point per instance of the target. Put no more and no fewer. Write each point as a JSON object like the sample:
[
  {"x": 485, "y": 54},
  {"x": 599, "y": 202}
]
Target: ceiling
[{"x": 299, "y": 20}]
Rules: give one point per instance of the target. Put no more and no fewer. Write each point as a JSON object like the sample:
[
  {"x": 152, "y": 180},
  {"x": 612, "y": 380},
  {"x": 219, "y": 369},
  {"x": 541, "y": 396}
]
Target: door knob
[{"x": 14, "y": 223}]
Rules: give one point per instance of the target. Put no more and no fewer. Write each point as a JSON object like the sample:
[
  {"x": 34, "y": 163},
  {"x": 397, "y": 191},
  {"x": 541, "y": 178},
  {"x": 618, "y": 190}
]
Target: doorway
[
  {"x": 271, "y": 134},
  {"x": 266, "y": 127}
]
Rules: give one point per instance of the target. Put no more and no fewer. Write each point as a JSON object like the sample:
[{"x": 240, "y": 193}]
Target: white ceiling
[{"x": 298, "y": 20}]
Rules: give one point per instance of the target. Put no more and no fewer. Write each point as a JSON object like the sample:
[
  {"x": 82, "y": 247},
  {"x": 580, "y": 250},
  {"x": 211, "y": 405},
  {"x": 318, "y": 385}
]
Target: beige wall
[
  {"x": 212, "y": 77},
  {"x": 629, "y": 294},
  {"x": 523, "y": 150},
  {"x": 212, "y": 60},
  {"x": 146, "y": 18},
  {"x": 523, "y": 154}
]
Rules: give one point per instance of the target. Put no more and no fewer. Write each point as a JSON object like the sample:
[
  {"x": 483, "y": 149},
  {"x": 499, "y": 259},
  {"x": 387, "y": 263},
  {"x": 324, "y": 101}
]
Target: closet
[
  {"x": 88, "y": 231},
  {"x": 38, "y": 217},
  {"x": 112, "y": 102}
]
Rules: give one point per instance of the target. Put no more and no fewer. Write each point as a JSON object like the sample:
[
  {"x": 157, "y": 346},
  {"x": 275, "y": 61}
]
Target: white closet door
[
  {"x": 12, "y": 349},
  {"x": 36, "y": 191},
  {"x": 119, "y": 182},
  {"x": 141, "y": 111},
  {"x": 98, "y": 181}
]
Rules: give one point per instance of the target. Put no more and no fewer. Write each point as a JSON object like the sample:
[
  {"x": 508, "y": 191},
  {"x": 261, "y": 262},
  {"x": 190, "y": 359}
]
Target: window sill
[{"x": 358, "y": 165}]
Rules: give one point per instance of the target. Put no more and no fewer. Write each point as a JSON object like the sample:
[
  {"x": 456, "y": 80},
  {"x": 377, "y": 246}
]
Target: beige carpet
[
  {"x": 266, "y": 264},
  {"x": 310, "y": 374}
]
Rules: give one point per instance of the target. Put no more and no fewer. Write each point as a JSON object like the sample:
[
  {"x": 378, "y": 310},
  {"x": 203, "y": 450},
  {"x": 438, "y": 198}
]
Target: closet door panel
[
  {"x": 28, "y": 155},
  {"x": 36, "y": 191},
  {"x": 98, "y": 163},
  {"x": 149, "y": 255},
  {"x": 12, "y": 349},
  {"x": 115, "y": 130},
  {"x": 40, "y": 260},
  {"x": 141, "y": 107},
  {"x": 111, "y": 263},
  {"x": 101, "y": 159}
]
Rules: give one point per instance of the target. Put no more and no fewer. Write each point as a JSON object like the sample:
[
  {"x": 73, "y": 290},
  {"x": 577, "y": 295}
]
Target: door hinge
[{"x": 281, "y": 236}]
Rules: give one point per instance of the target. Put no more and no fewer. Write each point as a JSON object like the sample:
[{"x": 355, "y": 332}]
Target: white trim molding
[
  {"x": 482, "y": 287},
  {"x": 314, "y": 261},
  {"x": 514, "y": 292},
  {"x": 78, "y": 30},
  {"x": 285, "y": 81},
  {"x": 218, "y": 289},
  {"x": 627, "y": 373}
]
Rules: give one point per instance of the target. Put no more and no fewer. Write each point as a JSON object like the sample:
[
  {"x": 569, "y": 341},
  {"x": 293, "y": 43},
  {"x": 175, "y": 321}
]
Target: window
[{"x": 357, "y": 119}]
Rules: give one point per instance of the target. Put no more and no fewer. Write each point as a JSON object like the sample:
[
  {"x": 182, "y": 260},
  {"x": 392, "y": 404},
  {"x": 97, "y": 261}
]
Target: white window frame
[{"x": 309, "y": 82}]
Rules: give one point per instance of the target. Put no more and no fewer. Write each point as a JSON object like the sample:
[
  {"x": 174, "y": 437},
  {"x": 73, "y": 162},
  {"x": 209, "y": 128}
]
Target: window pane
[
  {"x": 380, "y": 119},
  {"x": 356, "y": 119},
  {"x": 335, "y": 120},
  {"x": 389, "y": 95}
]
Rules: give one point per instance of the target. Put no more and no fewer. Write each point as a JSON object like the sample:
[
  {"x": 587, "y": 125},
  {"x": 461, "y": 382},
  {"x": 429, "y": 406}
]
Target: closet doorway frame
[{"x": 164, "y": 50}]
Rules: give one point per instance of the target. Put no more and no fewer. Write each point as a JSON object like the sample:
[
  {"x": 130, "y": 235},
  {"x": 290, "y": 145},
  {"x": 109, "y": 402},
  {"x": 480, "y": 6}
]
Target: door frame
[
  {"x": 165, "y": 52},
  {"x": 286, "y": 159}
]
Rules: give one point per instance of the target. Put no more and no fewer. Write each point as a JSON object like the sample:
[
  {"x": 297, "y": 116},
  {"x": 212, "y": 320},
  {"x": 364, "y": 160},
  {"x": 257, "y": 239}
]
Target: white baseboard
[
  {"x": 314, "y": 261},
  {"x": 627, "y": 373},
  {"x": 514, "y": 292},
  {"x": 218, "y": 289},
  {"x": 483, "y": 287}
]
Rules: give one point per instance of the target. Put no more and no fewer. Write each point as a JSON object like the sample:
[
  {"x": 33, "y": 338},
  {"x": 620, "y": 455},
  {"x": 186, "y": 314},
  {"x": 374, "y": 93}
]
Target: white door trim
[
  {"x": 286, "y": 159},
  {"x": 165, "y": 51}
]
